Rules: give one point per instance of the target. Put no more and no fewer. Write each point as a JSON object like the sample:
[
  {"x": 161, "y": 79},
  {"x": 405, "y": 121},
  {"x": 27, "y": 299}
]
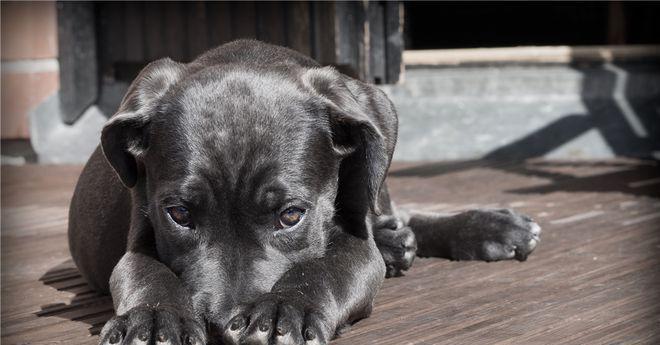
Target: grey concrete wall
[
  {"x": 462, "y": 113},
  {"x": 512, "y": 112}
]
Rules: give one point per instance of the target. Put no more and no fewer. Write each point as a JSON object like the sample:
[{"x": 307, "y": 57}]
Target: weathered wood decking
[{"x": 594, "y": 279}]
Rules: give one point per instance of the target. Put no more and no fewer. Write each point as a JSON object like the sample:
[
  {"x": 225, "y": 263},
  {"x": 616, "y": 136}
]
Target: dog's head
[{"x": 251, "y": 166}]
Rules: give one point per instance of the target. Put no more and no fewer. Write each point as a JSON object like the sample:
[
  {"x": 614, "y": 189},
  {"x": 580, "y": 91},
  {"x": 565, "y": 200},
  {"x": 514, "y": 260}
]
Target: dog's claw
[
  {"x": 392, "y": 271},
  {"x": 309, "y": 334},
  {"x": 278, "y": 320},
  {"x": 239, "y": 322},
  {"x": 115, "y": 337},
  {"x": 149, "y": 325}
]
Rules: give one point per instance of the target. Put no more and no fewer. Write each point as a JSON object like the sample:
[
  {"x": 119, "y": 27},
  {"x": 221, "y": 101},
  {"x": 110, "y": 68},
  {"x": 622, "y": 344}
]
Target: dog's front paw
[
  {"x": 158, "y": 325},
  {"x": 279, "y": 320},
  {"x": 396, "y": 243},
  {"x": 493, "y": 235}
]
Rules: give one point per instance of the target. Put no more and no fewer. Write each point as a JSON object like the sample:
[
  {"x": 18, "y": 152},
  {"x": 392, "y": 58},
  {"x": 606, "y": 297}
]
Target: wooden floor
[{"x": 594, "y": 279}]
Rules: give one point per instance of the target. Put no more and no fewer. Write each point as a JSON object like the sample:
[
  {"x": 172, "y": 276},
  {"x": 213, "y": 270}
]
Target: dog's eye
[
  {"x": 290, "y": 217},
  {"x": 180, "y": 215}
]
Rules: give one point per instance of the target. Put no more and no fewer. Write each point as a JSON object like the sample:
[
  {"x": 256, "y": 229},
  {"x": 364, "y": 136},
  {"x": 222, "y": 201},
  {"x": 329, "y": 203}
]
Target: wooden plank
[
  {"x": 324, "y": 36},
  {"x": 616, "y": 23},
  {"x": 394, "y": 34},
  {"x": 350, "y": 39},
  {"x": 111, "y": 36},
  {"x": 363, "y": 47},
  {"x": 219, "y": 24},
  {"x": 548, "y": 54},
  {"x": 245, "y": 23},
  {"x": 134, "y": 31},
  {"x": 592, "y": 280},
  {"x": 154, "y": 27},
  {"x": 196, "y": 23},
  {"x": 77, "y": 59},
  {"x": 298, "y": 33},
  {"x": 175, "y": 35},
  {"x": 377, "y": 52},
  {"x": 271, "y": 20}
]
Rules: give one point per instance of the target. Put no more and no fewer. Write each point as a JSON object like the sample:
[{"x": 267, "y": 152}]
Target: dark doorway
[{"x": 436, "y": 25}]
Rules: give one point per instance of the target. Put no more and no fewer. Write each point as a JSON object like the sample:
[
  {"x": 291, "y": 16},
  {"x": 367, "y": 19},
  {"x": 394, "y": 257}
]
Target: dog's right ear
[
  {"x": 125, "y": 136},
  {"x": 352, "y": 108}
]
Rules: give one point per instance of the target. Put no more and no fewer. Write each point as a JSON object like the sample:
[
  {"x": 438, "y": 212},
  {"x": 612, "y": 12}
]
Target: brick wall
[{"x": 30, "y": 71}]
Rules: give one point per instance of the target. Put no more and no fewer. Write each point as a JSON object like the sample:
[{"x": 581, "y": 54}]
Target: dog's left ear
[{"x": 358, "y": 113}]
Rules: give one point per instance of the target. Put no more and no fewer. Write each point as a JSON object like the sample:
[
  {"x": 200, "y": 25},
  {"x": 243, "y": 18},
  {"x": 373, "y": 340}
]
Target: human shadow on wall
[
  {"x": 86, "y": 306},
  {"x": 627, "y": 123}
]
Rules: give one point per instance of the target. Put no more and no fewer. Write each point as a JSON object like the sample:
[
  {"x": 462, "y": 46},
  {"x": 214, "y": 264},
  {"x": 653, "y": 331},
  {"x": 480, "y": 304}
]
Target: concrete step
[{"x": 513, "y": 111}]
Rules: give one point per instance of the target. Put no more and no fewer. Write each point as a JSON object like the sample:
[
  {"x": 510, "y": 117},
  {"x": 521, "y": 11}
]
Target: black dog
[{"x": 240, "y": 198}]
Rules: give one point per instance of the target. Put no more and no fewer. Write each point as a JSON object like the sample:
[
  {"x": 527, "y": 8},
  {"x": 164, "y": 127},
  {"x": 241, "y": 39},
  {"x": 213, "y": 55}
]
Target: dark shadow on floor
[
  {"x": 639, "y": 178},
  {"x": 86, "y": 306},
  {"x": 437, "y": 168}
]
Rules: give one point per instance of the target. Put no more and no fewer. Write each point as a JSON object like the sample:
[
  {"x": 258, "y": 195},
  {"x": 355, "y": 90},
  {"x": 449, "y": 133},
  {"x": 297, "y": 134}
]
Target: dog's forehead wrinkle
[
  {"x": 193, "y": 187},
  {"x": 266, "y": 111},
  {"x": 238, "y": 142},
  {"x": 216, "y": 85},
  {"x": 262, "y": 180},
  {"x": 249, "y": 127}
]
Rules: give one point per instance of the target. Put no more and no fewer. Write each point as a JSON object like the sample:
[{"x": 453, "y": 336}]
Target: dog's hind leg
[
  {"x": 488, "y": 235},
  {"x": 98, "y": 222},
  {"x": 482, "y": 234}
]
